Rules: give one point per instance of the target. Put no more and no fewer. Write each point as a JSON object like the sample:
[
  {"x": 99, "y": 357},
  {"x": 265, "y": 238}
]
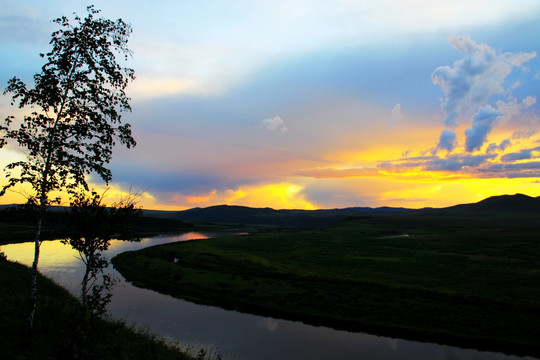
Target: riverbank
[
  {"x": 466, "y": 282},
  {"x": 62, "y": 329},
  {"x": 18, "y": 225}
]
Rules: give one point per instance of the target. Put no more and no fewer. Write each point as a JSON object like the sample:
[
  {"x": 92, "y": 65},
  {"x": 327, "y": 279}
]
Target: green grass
[
  {"x": 470, "y": 281},
  {"x": 62, "y": 329}
]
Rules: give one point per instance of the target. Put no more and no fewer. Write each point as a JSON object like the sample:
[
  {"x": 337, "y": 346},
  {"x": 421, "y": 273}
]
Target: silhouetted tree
[
  {"x": 91, "y": 226},
  {"x": 74, "y": 119}
]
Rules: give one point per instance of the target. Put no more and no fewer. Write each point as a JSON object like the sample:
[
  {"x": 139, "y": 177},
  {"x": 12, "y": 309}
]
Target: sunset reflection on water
[
  {"x": 189, "y": 236},
  {"x": 63, "y": 264},
  {"x": 55, "y": 254},
  {"x": 51, "y": 253}
]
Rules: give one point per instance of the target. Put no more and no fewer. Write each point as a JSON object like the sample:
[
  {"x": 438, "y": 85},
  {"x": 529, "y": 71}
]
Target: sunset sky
[{"x": 313, "y": 104}]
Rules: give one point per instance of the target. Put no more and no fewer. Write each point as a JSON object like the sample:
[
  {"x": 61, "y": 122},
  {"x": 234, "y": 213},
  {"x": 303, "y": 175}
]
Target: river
[{"x": 232, "y": 334}]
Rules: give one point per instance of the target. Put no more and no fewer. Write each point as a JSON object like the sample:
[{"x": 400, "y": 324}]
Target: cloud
[
  {"x": 284, "y": 195},
  {"x": 469, "y": 86},
  {"x": 481, "y": 127},
  {"x": 395, "y": 115},
  {"x": 330, "y": 173},
  {"x": 440, "y": 164},
  {"x": 274, "y": 124},
  {"x": 523, "y": 154},
  {"x": 198, "y": 198},
  {"x": 457, "y": 162},
  {"x": 493, "y": 147},
  {"x": 512, "y": 109},
  {"x": 535, "y": 165},
  {"x": 504, "y": 144},
  {"x": 524, "y": 170},
  {"x": 466, "y": 166},
  {"x": 523, "y": 134},
  {"x": 529, "y": 101},
  {"x": 447, "y": 141},
  {"x": 406, "y": 153},
  {"x": 472, "y": 80}
]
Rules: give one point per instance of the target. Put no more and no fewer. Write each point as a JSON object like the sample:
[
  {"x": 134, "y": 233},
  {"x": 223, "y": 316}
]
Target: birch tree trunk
[
  {"x": 34, "y": 273},
  {"x": 84, "y": 284}
]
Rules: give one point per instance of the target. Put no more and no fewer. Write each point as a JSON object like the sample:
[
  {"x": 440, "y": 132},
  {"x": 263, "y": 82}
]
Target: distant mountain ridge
[
  {"x": 517, "y": 204},
  {"x": 503, "y": 205},
  {"x": 235, "y": 214},
  {"x": 508, "y": 205}
]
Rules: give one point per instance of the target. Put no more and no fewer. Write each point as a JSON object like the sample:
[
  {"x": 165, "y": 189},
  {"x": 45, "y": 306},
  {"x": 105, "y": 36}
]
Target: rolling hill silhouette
[
  {"x": 517, "y": 205},
  {"x": 504, "y": 205}
]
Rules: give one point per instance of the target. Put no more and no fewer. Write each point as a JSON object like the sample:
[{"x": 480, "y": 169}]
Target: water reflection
[
  {"x": 51, "y": 253},
  {"x": 121, "y": 246},
  {"x": 270, "y": 324},
  {"x": 188, "y": 236},
  {"x": 235, "y": 335}
]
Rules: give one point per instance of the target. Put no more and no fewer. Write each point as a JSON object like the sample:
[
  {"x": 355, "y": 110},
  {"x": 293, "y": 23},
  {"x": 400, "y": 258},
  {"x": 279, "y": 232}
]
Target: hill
[
  {"x": 232, "y": 214},
  {"x": 503, "y": 205},
  {"x": 155, "y": 221}
]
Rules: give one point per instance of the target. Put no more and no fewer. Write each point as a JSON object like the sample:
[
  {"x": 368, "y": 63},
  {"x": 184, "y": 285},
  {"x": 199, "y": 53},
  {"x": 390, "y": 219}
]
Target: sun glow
[
  {"x": 277, "y": 196},
  {"x": 444, "y": 192},
  {"x": 302, "y": 104}
]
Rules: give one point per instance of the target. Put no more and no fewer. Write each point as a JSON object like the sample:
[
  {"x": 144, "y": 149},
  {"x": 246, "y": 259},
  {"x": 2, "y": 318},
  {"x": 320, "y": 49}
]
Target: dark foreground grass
[
  {"x": 62, "y": 329},
  {"x": 468, "y": 282}
]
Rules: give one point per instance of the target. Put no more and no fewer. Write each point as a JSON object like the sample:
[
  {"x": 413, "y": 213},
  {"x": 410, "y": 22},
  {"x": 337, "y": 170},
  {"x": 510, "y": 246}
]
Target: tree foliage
[
  {"x": 74, "y": 118},
  {"x": 76, "y": 103}
]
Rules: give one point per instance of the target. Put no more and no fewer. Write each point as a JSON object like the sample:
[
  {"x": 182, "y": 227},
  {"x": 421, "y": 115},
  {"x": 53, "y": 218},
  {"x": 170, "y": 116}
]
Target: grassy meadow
[
  {"x": 62, "y": 329},
  {"x": 462, "y": 280}
]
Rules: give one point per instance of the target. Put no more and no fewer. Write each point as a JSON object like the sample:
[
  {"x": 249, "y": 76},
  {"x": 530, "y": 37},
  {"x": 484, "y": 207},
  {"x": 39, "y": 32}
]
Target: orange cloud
[
  {"x": 328, "y": 173},
  {"x": 277, "y": 196},
  {"x": 197, "y": 199},
  {"x": 447, "y": 193}
]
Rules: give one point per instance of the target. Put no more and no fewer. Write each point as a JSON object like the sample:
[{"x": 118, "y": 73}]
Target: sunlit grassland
[{"x": 469, "y": 281}]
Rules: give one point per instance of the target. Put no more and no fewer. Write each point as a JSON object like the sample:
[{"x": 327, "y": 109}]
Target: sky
[{"x": 300, "y": 104}]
